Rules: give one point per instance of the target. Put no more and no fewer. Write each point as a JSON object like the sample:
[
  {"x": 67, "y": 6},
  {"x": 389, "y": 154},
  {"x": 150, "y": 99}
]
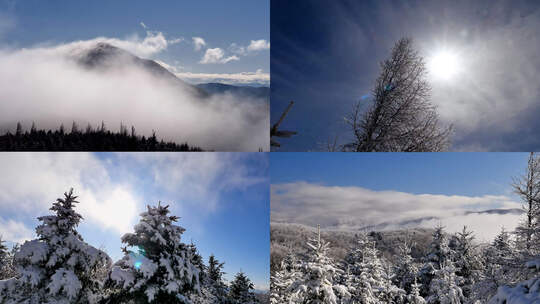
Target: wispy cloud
[
  {"x": 356, "y": 207},
  {"x": 198, "y": 43},
  {"x": 143, "y": 25}
]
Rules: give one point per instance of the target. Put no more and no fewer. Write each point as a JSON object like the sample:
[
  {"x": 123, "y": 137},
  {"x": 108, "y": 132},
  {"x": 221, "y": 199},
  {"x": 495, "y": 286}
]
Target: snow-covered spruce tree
[
  {"x": 414, "y": 296},
  {"x": 499, "y": 259},
  {"x": 438, "y": 256},
  {"x": 405, "y": 269},
  {"x": 7, "y": 261},
  {"x": 315, "y": 283},
  {"x": 4, "y": 260},
  {"x": 444, "y": 287},
  {"x": 57, "y": 267},
  {"x": 282, "y": 278},
  {"x": 240, "y": 290},
  {"x": 156, "y": 267},
  {"x": 467, "y": 261}
]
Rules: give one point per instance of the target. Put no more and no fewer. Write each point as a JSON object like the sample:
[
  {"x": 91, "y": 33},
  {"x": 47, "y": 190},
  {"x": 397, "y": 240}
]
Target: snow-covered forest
[
  {"x": 445, "y": 268},
  {"x": 157, "y": 267}
]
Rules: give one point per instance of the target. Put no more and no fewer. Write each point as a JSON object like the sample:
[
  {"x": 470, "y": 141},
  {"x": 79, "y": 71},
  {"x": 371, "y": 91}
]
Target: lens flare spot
[{"x": 138, "y": 264}]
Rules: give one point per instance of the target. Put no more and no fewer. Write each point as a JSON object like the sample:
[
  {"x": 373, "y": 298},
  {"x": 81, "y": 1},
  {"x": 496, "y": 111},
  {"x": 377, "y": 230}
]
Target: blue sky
[
  {"x": 344, "y": 189},
  {"x": 325, "y": 56},
  {"x": 221, "y": 199},
  {"x": 219, "y": 23}
]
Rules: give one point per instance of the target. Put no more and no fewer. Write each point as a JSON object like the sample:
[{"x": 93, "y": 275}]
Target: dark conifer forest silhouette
[{"x": 90, "y": 139}]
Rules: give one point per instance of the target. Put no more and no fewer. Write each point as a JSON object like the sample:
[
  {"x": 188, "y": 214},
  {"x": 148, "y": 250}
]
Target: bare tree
[
  {"x": 401, "y": 117},
  {"x": 527, "y": 187}
]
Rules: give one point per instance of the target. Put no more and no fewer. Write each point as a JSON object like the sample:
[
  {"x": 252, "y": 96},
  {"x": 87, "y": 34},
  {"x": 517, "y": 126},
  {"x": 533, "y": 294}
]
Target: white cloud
[
  {"x": 258, "y": 45},
  {"x": 254, "y": 46},
  {"x": 30, "y": 182},
  {"x": 230, "y": 78},
  {"x": 199, "y": 178},
  {"x": 216, "y": 55},
  {"x": 152, "y": 44},
  {"x": 143, "y": 25},
  {"x": 198, "y": 43},
  {"x": 356, "y": 207},
  {"x": 14, "y": 231}
]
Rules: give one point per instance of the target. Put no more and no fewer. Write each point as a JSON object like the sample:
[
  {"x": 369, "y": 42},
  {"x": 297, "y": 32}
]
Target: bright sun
[{"x": 444, "y": 65}]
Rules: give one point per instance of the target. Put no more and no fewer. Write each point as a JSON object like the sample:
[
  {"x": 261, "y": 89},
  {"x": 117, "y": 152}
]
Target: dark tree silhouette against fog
[
  {"x": 401, "y": 117},
  {"x": 92, "y": 139}
]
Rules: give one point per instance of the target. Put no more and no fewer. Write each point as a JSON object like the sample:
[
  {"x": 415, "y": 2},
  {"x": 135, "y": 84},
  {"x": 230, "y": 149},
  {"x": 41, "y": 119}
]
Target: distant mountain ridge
[
  {"x": 106, "y": 56},
  {"x": 245, "y": 91}
]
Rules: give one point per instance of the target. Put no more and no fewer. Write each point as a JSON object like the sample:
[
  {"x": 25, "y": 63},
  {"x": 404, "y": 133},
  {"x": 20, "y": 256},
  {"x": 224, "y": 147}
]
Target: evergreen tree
[
  {"x": 444, "y": 287},
  {"x": 4, "y": 260},
  {"x": 158, "y": 266},
  {"x": 439, "y": 255},
  {"x": 414, "y": 296},
  {"x": 58, "y": 267},
  {"x": 315, "y": 283},
  {"x": 467, "y": 261},
  {"x": 240, "y": 290},
  {"x": 405, "y": 269},
  {"x": 282, "y": 278}
]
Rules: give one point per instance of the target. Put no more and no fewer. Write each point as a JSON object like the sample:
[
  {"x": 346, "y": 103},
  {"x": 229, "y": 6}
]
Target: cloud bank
[
  {"x": 355, "y": 207},
  {"x": 48, "y": 87}
]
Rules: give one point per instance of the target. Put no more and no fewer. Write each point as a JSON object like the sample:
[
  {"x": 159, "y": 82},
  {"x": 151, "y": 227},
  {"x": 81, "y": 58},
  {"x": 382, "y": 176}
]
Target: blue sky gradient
[{"x": 219, "y": 23}]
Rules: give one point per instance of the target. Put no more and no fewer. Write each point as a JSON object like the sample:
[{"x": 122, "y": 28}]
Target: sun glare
[{"x": 444, "y": 65}]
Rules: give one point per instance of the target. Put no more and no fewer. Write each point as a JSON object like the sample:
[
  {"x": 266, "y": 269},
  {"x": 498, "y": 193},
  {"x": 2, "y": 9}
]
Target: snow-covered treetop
[{"x": 64, "y": 222}]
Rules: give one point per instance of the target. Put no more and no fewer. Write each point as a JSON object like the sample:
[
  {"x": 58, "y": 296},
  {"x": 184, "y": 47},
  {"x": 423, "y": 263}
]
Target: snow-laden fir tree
[
  {"x": 405, "y": 269},
  {"x": 7, "y": 261},
  {"x": 500, "y": 263},
  {"x": 444, "y": 287},
  {"x": 240, "y": 290},
  {"x": 467, "y": 261},
  {"x": 4, "y": 260},
  {"x": 156, "y": 267},
  {"x": 213, "y": 288},
  {"x": 316, "y": 276},
  {"x": 282, "y": 278},
  {"x": 414, "y": 296},
  {"x": 57, "y": 267},
  {"x": 439, "y": 255}
]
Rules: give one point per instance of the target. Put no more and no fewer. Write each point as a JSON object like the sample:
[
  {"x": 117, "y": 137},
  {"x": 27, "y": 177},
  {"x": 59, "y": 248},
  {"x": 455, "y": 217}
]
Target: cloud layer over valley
[
  {"x": 47, "y": 85},
  {"x": 351, "y": 208}
]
